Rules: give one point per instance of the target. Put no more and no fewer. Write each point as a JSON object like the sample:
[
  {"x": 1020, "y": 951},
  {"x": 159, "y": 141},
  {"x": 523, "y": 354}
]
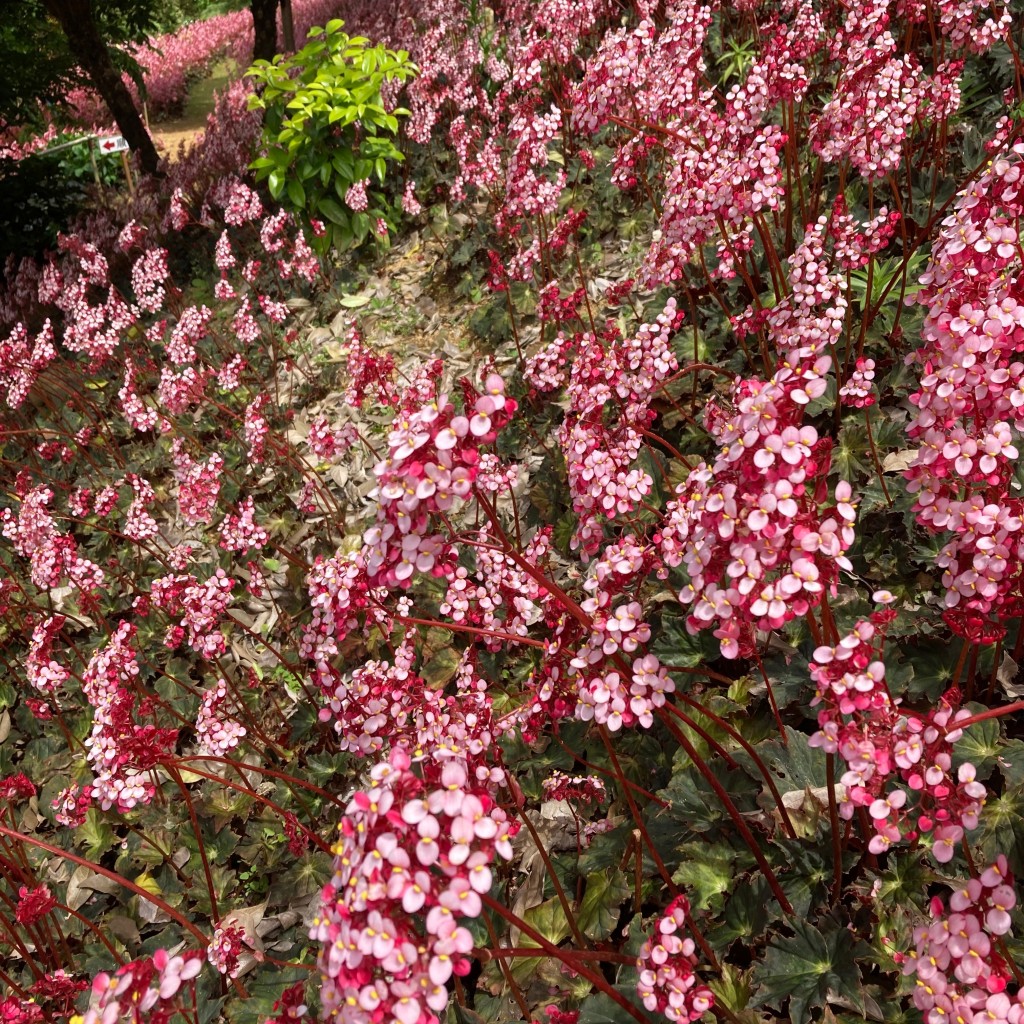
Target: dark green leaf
[
  {"x": 602, "y": 901},
  {"x": 806, "y": 967}
]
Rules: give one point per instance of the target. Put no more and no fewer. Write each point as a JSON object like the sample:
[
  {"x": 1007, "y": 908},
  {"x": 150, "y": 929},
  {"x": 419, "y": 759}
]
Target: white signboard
[{"x": 112, "y": 144}]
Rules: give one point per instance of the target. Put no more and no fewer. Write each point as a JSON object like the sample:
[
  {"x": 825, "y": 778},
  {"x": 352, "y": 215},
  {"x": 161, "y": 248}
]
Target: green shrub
[
  {"x": 43, "y": 192},
  {"x": 326, "y": 129}
]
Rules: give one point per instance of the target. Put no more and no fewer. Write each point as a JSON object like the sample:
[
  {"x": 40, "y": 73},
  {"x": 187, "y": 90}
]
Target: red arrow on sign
[{"x": 108, "y": 145}]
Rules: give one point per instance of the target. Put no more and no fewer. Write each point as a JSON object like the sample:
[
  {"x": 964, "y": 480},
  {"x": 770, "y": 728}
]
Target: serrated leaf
[
  {"x": 94, "y": 835},
  {"x": 441, "y": 667},
  {"x": 732, "y": 988},
  {"x": 707, "y": 873},
  {"x": 549, "y": 919},
  {"x": 675, "y": 647},
  {"x": 600, "y": 1008},
  {"x": 602, "y": 900},
  {"x": 1003, "y": 828},
  {"x": 980, "y": 744},
  {"x": 1011, "y": 762},
  {"x": 806, "y": 967},
  {"x": 746, "y": 914}
]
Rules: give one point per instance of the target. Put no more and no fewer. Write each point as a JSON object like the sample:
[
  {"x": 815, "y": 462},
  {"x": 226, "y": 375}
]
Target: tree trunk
[
  {"x": 89, "y": 49},
  {"x": 264, "y": 25},
  {"x": 287, "y": 26}
]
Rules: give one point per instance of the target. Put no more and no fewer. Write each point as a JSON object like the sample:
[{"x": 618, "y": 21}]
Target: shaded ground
[{"x": 170, "y": 135}]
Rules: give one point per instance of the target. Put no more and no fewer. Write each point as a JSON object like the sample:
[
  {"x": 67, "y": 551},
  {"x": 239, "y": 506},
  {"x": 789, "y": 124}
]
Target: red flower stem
[
  {"x": 871, "y": 442},
  {"x": 114, "y": 877},
  {"x": 771, "y": 700},
  {"x": 569, "y": 955},
  {"x": 517, "y": 993},
  {"x": 553, "y": 875},
  {"x": 981, "y": 716},
  {"x": 455, "y": 627},
  {"x": 748, "y": 747},
  {"x": 691, "y": 723},
  {"x": 596, "y": 979},
  {"x": 271, "y": 772},
  {"x": 13, "y": 985},
  {"x": 266, "y": 801},
  {"x": 531, "y": 570},
  {"x": 597, "y": 769},
  {"x": 833, "y": 815},
  {"x": 733, "y": 812},
  {"x": 92, "y": 927},
  {"x": 637, "y": 816},
  {"x": 176, "y": 776}
]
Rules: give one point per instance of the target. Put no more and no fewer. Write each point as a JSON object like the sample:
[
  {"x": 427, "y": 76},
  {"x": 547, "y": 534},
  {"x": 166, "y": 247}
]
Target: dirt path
[{"x": 171, "y": 135}]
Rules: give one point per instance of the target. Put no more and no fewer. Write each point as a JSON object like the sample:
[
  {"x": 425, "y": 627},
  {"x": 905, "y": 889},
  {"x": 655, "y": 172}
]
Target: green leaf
[
  {"x": 708, "y": 872},
  {"x": 806, "y": 967},
  {"x": 354, "y": 301},
  {"x": 1003, "y": 828},
  {"x": 674, "y": 646},
  {"x": 1011, "y": 762},
  {"x": 94, "y": 835},
  {"x": 548, "y": 918},
  {"x": 8, "y": 695},
  {"x": 296, "y": 193},
  {"x": 693, "y": 804},
  {"x": 979, "y": 744},
  {"x": 602, "y": 901},
  {"x": 746, "y": 914},
  {"x": 441, "y": 667},
  {"x": 732, "y": 988},
  {"x": 602, "y": 1009}
]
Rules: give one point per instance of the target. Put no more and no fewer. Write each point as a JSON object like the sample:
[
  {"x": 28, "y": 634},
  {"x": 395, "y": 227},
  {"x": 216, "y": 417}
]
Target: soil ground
[{"x": 171, "y": 135}]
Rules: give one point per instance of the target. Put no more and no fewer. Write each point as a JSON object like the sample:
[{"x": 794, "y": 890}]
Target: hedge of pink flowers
[
  {"x": 596, "y": 681},
  {"x": 174, "y": 61}
]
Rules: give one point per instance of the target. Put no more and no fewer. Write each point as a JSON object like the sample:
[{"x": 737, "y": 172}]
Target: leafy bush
[
  {"x": 328, "y": 131},
  {"x": 665, "y": 665},
  {"x": 43, "y": 192}
]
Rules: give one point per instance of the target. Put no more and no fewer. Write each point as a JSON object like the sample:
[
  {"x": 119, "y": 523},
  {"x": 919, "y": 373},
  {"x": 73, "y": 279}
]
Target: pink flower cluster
[
  {"x": 144, "y": 990},
  {"x": 121, "y": 753},
  {"x": 201, "y": 605},
  {"x": 433, "y": 452},
  {"x": 668, "y": 984},
  {"x": 413, "y": 861},
  {"x": 970, "y": 402},
  {"x": 339, "y": 590},
  {"x": 218, "y": 734},
  {"x": 22, "y": 359},
  {"x": 327, "y": 442},
  {"x": 240, "y": 531},
  {"x": 44, "y": 672},
  {"x": 876, "y": 100},
  {"x": 760, "y": 540},
  {"x": 368, "y": 371},
  {"x": 583, "y": 671},
  {"x": 198, "y": 483},
  {"x": 225, "y": 949},
  {"x": 880, "y": 745},
  {"x": 581, "y": 788},
  {"x": 53, "y": 556},
  {"x": 500, "y": 595},
  {"x": 721, "y": 167},
  {"x": 608, "y": 372},
  {"x": 959, "y": 967}
]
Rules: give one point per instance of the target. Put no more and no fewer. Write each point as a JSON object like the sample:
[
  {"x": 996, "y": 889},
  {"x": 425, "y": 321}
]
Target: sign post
[{"x": 118, "y": 144}]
